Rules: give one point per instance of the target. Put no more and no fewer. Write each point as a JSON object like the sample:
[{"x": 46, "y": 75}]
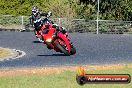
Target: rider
[{"x": 37, "y": 21}]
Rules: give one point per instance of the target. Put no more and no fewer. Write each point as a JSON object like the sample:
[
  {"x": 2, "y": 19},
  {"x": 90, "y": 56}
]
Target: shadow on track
[
  {"x": 37, "y": 42},
  {"x": 53, "y": 55}
]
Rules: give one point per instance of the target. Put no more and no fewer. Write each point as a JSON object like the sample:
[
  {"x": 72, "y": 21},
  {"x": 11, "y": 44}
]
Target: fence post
[
  {"x": 22, "y": 23},
  {"x": 59, "y": 21},
  {"x": 98, "y": 19}
]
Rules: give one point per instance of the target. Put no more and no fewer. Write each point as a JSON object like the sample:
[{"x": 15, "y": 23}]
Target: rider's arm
[
  {"x": 44, "y": 14},
  {"x": 31, "y": 20}
]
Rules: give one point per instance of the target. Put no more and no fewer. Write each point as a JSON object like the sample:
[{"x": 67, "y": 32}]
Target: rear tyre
[{"x": 62, "y": 49}]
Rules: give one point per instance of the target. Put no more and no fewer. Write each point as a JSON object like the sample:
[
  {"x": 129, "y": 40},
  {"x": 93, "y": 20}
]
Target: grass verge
[
  {"x": 59, "y": 77},
  {"x": 4, "y": 52}
]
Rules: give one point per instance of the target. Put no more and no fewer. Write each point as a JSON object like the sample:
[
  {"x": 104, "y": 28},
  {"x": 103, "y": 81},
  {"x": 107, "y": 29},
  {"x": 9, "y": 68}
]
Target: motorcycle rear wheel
[{"x": 62, "y": 49}]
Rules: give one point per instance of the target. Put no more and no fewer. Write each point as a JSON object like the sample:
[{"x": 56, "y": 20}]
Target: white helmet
[{"x": 35, "y": 10}]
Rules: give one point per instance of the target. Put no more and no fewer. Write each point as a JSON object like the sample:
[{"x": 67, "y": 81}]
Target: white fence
[{"x": 72, "y": 25}]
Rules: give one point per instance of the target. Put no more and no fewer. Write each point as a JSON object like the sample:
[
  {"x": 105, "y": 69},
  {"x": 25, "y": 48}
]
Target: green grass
[
  {"x": 4, "y": 52},
  {"x": 66, "y": 79}
]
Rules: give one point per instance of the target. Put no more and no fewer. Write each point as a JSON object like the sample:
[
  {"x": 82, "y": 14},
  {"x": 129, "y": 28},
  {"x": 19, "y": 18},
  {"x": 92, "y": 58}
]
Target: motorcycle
[{"x": 55, "y": 39}]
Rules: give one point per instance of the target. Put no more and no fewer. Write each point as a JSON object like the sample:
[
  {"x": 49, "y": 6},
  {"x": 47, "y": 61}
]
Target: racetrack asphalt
[{"x": 91, "y": 49}]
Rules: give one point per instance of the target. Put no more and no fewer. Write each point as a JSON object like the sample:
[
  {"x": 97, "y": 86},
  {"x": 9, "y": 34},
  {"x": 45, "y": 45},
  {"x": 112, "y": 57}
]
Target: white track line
[
  {"x": 19, "y": 56},
  {"x": 14, "y": 54}
]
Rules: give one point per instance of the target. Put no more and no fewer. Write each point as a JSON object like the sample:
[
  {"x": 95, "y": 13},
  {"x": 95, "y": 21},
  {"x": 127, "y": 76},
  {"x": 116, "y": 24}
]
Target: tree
[
  {"x": 115, "y": 9},
  {"x": 86, "y": 9}
]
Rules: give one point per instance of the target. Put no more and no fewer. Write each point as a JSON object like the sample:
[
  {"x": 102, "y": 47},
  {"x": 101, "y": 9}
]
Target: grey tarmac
[{"x": 92, "y": 49}]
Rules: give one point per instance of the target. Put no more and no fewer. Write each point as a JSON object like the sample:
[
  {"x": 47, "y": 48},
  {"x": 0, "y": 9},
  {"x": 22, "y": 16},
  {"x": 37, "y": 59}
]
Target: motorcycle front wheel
[
  {"x": 73, "y": 50},
  {"x": 62, "y": 49}
]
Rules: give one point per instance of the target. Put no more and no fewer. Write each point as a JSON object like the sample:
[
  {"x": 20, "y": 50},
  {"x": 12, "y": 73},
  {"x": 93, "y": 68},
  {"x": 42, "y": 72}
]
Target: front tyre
[
  {"x": 73, "y": 50},
  {"x": 62, "y": 49}
]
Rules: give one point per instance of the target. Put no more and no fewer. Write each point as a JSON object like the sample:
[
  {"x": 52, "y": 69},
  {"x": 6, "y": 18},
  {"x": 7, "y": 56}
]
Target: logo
[{"x": 83, "y": 78}]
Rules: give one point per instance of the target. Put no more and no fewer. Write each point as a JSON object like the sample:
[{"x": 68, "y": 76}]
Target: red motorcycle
[{"x": 55, "y": 39}]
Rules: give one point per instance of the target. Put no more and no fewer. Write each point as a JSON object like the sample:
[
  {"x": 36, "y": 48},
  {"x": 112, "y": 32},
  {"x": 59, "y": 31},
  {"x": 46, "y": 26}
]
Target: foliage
[
  {"x": 86, "y": 9},
  {"x": 116, "y": 9}
]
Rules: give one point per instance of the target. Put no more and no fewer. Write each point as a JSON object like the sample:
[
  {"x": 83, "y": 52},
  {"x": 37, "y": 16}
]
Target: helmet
[{"x": 35, "y": 10}]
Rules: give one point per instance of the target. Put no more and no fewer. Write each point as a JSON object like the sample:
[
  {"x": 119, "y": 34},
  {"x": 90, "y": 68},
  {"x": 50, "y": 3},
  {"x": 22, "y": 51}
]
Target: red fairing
[
  {"x": 62, "y": 36},
  {"x": 55, "y": 39}
]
